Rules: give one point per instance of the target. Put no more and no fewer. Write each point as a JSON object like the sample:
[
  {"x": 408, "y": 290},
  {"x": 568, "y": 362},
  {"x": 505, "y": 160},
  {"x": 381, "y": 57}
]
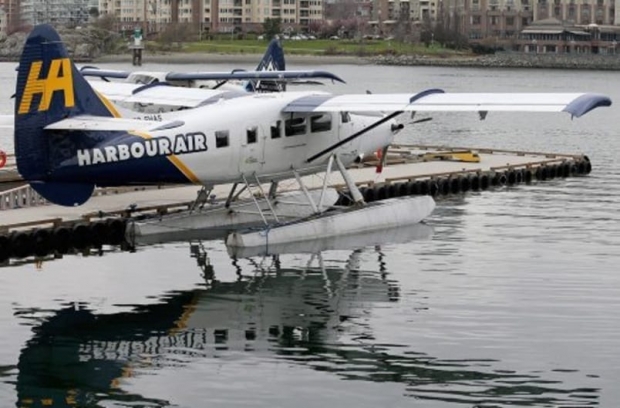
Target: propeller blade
[
  {"x": 354, "y": 136},
  {"x": 374, "y": 125},
  {"x": 420, "y": 121}
]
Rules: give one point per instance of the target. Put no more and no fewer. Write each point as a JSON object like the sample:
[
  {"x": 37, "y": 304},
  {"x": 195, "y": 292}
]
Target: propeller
[
  {"x": 382, "y": 153},
  {"x": 374, "y": 125},
  {"x": 354, "y": 136},
  {"x": 420, "y": 121}
]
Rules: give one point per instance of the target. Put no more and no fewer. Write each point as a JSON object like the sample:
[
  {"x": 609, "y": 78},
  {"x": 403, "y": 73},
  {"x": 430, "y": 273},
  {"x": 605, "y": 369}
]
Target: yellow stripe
[
  {"x": 181, "y": 323},
  {"x": 108, "y": 105},
  {"x": 173, "y": 159}
]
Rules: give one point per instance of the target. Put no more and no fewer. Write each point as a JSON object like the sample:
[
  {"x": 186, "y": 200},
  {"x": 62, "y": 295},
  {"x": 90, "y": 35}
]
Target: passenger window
[
  {"x": 276, "y": 130},
  {"x": 321, "y": 123},
  {"x": 221, "y": 138},
  {"x": 295, "y": 126},
  {"x": 345, "y": 117},
  {"x": 251, "y": 134}
]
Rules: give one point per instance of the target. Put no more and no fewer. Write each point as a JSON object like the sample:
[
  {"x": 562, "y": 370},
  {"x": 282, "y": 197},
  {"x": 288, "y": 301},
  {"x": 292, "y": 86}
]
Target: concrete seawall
[{"x": 508, "y": 60}]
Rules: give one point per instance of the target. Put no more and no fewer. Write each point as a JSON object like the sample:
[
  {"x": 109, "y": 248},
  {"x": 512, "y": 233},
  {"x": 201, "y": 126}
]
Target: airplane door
[
  {"x": 251, "y": 157},
  {"x": 345, "y": 128}
]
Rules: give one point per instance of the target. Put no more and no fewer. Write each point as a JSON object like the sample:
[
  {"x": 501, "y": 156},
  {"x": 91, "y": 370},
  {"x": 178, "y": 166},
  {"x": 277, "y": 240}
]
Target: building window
[
  {"x": 251, "y": 134},
  {"x": 221, "y": 138},
  {"x": 475, "y": 20},
  {"x": 510, "y": 21}
]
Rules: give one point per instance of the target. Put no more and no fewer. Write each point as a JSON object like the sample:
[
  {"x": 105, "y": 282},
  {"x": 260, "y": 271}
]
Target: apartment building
[
  {"x": 69, "y": 13},
  {"x": 213, "y": 15},
  {"x": 11, "y": 19},
  {"x": 3, "y": 23},
  {"x": 502, "y": 21}
]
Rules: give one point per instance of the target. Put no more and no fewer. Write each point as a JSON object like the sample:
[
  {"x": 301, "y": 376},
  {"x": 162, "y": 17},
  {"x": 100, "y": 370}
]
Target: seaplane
[
  {"x": 269, "y": 76},
  {"x": 69, "y": 139},
  {"x": 136, "y": 87}
]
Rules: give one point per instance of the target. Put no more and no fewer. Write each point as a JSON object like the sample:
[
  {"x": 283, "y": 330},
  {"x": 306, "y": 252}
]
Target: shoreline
[
  {"x": 498, "y": 60},
  {"x": 203, "y": 58}
]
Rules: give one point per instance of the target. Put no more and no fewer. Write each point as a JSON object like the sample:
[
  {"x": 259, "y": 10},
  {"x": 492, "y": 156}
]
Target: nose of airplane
[{"x": 396, "y": 127}]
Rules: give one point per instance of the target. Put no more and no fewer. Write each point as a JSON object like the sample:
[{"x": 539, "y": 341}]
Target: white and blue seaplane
[
  {"x": 270, "y": 75},
  {"x": 70, "y": 139},
  {"x": 148, "y": 92}
]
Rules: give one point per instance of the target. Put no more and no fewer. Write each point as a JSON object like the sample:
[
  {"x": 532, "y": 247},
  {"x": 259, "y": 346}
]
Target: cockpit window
[
  {"x": 295, "y": 126},
  {"x": 345, "y": 117},
  {"x": 321, "y": 123}
]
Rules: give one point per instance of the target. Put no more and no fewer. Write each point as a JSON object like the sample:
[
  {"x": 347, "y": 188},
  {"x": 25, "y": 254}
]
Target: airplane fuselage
[{"x": 246, "y": 136}]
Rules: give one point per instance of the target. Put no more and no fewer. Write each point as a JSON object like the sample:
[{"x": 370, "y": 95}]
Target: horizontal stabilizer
[
  {"x": 159, "y": 94},
  {"x": 104, "y": 73},
  {"x": 97, "y": 123}
]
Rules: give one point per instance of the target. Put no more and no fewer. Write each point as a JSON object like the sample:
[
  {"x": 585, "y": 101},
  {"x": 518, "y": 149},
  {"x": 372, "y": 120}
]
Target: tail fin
[
  {"x": 273, "y": 60},
  {"x": 50, "y": 88}
]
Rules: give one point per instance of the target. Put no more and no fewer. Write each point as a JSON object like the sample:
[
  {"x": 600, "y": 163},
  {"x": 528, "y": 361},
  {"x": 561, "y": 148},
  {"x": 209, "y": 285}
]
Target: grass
[{"x": 319, "y": 47}]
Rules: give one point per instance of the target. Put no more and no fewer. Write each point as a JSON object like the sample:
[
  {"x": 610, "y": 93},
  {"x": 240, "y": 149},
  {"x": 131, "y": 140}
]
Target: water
[{"x": 507, "y": 298}]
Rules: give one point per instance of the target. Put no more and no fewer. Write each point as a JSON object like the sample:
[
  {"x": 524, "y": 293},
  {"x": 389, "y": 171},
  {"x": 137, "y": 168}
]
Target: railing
[{"x": 20, "y": 197}]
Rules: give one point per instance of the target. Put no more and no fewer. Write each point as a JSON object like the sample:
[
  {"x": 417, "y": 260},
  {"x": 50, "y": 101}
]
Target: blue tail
[
  {"x": 273, "y": 60},
  {"x": 49, "y": 88}
]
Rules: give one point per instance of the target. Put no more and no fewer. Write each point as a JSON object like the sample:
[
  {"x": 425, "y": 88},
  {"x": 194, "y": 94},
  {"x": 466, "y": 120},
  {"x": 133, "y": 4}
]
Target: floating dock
[{"x": 30, "y": 226}]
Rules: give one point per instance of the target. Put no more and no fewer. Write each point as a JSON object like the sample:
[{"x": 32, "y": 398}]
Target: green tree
[{"x": 272, "y": 27}]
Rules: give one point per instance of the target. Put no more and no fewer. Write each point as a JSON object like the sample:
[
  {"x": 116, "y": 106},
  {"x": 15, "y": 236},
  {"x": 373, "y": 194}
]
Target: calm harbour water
[{"x": 503, "y": 298}]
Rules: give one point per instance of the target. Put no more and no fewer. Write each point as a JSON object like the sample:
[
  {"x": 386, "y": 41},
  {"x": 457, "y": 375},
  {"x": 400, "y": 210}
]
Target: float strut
[{"x": 355, "y": 192}]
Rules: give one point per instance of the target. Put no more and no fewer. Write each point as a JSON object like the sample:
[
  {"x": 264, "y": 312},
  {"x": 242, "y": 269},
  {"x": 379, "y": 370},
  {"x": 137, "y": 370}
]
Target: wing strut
[
  {"x": 374, "y": 125},
  {"x": 354, "y": 136}
]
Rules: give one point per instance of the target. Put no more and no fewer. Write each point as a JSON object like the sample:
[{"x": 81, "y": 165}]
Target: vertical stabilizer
[
  {"x": 49, "y": 88},
  {"x": 273, "y": 60}
]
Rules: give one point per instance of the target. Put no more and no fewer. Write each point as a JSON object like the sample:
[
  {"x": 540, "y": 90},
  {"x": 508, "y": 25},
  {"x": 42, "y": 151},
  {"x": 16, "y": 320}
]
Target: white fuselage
[{"x": 250, "y": 135}]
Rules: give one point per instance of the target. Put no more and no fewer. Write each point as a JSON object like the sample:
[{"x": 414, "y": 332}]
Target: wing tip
[{"x": 585, "y": 103}]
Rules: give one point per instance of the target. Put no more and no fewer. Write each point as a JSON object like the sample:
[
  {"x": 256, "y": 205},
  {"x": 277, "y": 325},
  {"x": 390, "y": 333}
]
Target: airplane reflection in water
[{"x": 313, "y": 316}]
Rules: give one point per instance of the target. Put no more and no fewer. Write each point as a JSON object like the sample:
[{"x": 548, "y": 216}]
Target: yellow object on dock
[{"x": 466, "y": 156}]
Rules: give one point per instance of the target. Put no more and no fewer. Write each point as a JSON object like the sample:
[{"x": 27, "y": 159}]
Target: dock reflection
[{"x": 313, "y": 316}]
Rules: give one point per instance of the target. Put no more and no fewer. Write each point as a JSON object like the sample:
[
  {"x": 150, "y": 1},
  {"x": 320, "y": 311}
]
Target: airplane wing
[
  {"x": 104, "y": 73},
  {"x": 160, "y": 94},
  {"x": 577, "y": 104},
  {"x": 283, "y": 76},
  {"x": 260, "y": 75}
]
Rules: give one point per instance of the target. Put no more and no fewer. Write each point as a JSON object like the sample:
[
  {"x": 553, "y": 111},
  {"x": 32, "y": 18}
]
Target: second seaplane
[{"x": 70, "y": 139}]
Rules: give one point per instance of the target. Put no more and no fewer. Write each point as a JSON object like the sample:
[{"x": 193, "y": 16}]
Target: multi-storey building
[
  {"x": 501, "y": 22},
  {"x": 213, "y": 15},
  {"x": 11, "y": 19},
  {"x": 69, "y": 13},
  {"x": 3, "y": 21}
]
